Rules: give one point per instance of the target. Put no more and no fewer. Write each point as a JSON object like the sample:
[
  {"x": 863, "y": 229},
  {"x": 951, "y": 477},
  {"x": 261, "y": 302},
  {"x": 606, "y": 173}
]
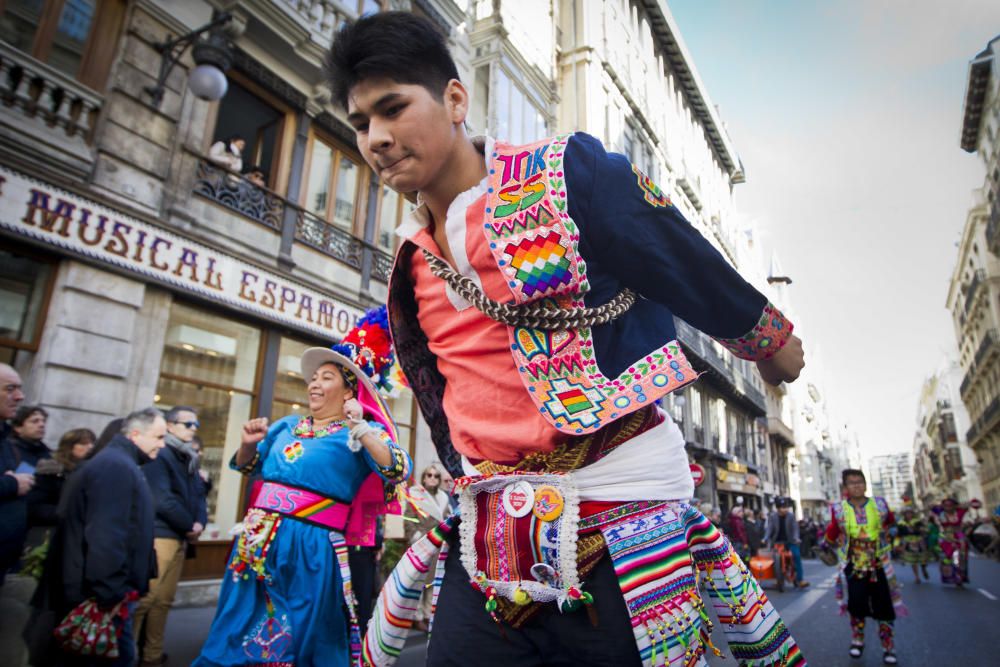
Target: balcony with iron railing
[
  {"x": 984, "y": 422},
  {"x": 972, "y": 291},
  {"x": 259, "y": 204},
  {"x": 988, "y": 345},
  {"x": 43, "y": 106},
  {"x": 736, "y": 383},
  {"x": 993, "y": 224}
]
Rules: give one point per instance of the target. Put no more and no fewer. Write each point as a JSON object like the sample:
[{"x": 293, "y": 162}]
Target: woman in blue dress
[{"x": 287, "y": 597}]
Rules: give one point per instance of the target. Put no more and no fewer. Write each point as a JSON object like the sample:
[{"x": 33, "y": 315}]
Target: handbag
[{"x": 89, "y": 630}]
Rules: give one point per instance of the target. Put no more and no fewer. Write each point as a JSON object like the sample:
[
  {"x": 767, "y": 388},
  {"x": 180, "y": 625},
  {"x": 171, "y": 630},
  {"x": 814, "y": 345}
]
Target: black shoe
[
  {"x": 889, "y": 658},
  {"x": 856, "y": 650}
]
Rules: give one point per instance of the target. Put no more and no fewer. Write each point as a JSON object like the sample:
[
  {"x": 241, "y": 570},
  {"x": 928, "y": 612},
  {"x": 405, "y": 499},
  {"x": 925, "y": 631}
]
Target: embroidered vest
[
  {"x": 847, "y": 520},
  {"x": 535, "y": 244}
]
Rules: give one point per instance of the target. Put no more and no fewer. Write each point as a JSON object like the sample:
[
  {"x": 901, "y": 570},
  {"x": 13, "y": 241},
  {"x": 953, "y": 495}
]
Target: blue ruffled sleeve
[{"x": 399, "y": 468}]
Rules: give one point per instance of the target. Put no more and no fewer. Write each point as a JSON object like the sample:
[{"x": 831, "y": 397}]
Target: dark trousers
[
  {"x": 869, "y": 598},
  {"x": 464, "y": 633},
  {"x": 363, "y": 570}
]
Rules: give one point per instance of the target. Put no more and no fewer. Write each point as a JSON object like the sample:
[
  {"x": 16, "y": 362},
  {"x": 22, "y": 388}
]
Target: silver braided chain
[{"x": 530, "y": 316}]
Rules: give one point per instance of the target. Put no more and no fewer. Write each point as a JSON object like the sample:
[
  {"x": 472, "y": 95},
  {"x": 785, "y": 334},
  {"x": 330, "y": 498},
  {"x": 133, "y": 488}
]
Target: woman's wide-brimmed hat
[{"x": 366, "y": 353}]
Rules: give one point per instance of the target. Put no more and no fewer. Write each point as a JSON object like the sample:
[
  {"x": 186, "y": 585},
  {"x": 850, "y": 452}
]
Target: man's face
[
  {"x": 151, "y": 440},
  {"x": 782, "y": 511},
  {"x": 184, "y": 426},
  {"x": 11, "y": 395},
  {"x": 33, "y": 427},
  {"x": 404, "y": 132},
  {"x": 856, "y": 486}
]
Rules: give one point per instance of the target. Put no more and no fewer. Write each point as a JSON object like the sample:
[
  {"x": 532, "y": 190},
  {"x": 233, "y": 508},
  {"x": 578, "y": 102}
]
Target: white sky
[{"x": 847, "y": 116}]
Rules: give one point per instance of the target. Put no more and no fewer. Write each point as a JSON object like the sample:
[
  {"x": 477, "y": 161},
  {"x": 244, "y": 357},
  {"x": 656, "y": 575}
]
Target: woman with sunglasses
[
  {"x": 427, "y": 508},
  {"x": 283, "y": 601}
]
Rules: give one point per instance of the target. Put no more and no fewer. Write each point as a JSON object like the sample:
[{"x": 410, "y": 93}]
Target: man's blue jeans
[{"x": 797, "y": 559}]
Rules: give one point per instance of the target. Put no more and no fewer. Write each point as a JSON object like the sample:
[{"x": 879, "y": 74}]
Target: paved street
[{"x": 946, "y": 626}]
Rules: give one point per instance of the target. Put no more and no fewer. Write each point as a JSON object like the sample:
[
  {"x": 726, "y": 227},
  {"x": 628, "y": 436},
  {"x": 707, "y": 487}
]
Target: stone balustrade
[
  {"x": 47, "y": 96},
  {"x": 323, "y": 17}
]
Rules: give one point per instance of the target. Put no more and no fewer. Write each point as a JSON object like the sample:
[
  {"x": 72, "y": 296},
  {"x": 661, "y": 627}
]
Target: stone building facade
[{"x": 975, "y": 285}]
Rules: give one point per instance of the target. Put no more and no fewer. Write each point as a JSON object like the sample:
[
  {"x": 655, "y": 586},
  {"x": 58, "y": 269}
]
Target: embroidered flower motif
[{"x": 293, "y": 451}]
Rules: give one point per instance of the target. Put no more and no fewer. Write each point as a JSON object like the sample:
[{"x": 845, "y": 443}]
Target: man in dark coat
[
  {"x": 179, "y": 499},
  {"x": 103, "y": 546},
  {"x": 34, "y": 456},
  {"x": 13, "y": 485}
]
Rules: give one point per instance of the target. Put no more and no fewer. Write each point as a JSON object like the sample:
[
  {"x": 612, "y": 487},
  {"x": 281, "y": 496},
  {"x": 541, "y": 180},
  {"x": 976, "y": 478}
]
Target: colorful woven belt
[{"x": 303, "y": 505}]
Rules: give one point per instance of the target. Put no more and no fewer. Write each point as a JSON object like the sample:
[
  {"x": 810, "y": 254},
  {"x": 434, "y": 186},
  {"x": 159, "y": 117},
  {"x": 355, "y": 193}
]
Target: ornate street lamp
[{"x": 212, "y": 57}]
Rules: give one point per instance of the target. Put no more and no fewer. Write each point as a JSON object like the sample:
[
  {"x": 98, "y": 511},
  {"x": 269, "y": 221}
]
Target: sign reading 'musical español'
[{"x": 39, "y": 211}]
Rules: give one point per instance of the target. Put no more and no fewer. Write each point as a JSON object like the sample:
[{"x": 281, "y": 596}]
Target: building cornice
[
  {"x": 975, "y": 95},
  {"x": 667, "y": 33}
]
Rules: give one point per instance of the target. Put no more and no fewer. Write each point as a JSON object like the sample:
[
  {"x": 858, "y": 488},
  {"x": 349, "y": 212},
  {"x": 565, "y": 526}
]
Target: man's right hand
[
  {"x": 784, "y": 366},
  {"x": 254, "y": 431},
  {"x": 25, "y": 481}
]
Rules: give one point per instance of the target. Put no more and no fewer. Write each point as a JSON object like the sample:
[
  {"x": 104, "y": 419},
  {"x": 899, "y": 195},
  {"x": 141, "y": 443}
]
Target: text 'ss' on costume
[{"x": 536, "y": 361}]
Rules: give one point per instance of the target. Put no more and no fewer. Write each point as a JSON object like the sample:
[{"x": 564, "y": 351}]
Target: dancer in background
[
  {"x": 912, "y": 536},
  {"x": 953, "y": 543},
  {"x": 287, "y": 598},
  {"x": 859, "y": 528}
]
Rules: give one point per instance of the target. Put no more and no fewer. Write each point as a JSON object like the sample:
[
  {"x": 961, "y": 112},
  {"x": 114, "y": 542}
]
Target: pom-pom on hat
[{"x": 366, "y": 352}]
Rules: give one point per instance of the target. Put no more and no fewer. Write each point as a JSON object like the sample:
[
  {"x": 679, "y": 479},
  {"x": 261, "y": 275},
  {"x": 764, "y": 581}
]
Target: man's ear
[{"x": 456, "y": 100}]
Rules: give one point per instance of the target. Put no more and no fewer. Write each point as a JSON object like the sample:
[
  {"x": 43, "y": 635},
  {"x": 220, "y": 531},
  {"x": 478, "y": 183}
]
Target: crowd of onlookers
[{"x": 102, "y": 523}]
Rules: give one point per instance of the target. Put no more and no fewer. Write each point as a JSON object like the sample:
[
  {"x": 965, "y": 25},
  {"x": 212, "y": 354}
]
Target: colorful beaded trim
[
  {"x": 763, "y": 341},
  {"x": 304, "y": 429},
  {"x": 534, "y": 242}
]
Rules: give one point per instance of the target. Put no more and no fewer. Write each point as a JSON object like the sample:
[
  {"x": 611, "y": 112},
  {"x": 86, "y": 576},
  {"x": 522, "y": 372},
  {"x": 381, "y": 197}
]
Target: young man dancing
[
  {"x": 859, "y": 528},
  {"x": 532, "y": 304}
]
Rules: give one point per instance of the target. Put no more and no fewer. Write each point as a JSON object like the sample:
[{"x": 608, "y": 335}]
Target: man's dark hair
[
  {"x": 851, "y": 472},
  {"x": 25, "y": 412},
  {"x": 400, "y": 46},
  {"x": 172, "y": 413}
]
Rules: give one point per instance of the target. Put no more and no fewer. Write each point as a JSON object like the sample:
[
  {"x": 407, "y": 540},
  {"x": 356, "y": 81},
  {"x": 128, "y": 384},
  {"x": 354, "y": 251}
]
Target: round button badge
[
  {"x": 518, "y": 499},
  {"x": 548, "y": 503}
]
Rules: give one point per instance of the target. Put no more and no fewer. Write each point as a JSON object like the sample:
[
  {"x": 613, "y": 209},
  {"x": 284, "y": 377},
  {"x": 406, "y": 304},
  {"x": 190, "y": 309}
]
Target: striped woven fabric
[
  {"x": 339, "y": 545},
  {"x": 660, "y": 559},
  {"x": 397, "y": 603}
]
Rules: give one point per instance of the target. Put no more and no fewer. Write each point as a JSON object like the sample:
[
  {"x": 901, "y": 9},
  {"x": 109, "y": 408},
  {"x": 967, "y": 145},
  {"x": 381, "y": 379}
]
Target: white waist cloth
[{"x": 651, "y": 466}]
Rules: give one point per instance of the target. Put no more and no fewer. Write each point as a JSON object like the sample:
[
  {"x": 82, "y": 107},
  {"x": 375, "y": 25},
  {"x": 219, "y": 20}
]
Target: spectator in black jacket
[
  {"x": 103, "y": 546},
  {"x": 178, "y": 494},
  {"x": 34, "y": 456},
  {"x": 14, "y": 485}
]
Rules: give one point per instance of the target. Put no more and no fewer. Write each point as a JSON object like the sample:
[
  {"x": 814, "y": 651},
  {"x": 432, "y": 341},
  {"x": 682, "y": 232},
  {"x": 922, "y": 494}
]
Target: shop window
[
  {"x": 289, "y": 386},
  {"x": 210, "y": 363},
  {"x": 76, "y": 37},
  {"x": 25, "y": 286},
  {"x": 334, "y": 185}
]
